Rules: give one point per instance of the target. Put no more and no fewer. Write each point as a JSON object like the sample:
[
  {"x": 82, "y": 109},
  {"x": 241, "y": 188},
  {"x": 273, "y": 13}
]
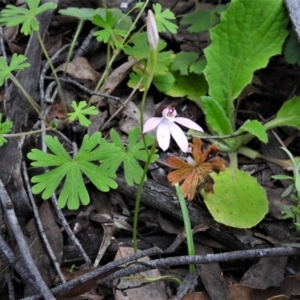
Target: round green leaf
[{"x": 238, "y": 200}]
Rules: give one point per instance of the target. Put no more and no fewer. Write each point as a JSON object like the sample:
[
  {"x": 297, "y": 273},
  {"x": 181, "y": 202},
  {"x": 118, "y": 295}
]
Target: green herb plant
[
  {"x": 240, "y": 45},
  {"x": 292, "y": 211}
]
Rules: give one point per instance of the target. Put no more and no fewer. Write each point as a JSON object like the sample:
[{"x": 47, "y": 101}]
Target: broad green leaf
[
  {"x": 238, "y": 199},
  {"x": 80, "y": 111},
  {"x": 255, "y": 128},
  {"x": 215, "y": 117},
  {"x": 73, "y": 189},
  {"x": 127, "y": 156},
  {"x": 5, "y": 127},
  {"x": 250, "y": 32},
  {"x": 192, "y": 86},
  {"x": 288, "y": 115}
]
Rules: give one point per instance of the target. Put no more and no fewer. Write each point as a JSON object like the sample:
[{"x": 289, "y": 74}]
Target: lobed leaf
[
  {"x": 80, "y": 111},
  {"x": 73, "y": 189},
  {"x": 162, "y": 19},
  {"x": 17, "y": 63},
  {"x": 13, "y": 15},
  {"x": 128, "y": 156},
  {"x": 250, "y": 33}
]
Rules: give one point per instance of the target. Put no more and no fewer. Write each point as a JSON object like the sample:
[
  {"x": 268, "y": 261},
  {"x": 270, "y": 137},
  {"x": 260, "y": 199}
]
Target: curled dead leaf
[{"x": 195, "y": 175}]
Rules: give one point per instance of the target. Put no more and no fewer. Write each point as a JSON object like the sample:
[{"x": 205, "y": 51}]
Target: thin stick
[{"x": 40, "y": 226}]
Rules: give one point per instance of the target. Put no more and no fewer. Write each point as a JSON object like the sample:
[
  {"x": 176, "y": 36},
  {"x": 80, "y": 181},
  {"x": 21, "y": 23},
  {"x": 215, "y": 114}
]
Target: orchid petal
[
  {"x": 188, "y": 123},
  {"x": 163, "y": 134},
  {"x": 151, "y": 123},
  {"x": 179, "y": 137}
]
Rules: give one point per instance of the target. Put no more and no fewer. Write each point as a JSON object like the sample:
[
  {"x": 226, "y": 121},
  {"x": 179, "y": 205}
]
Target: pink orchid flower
[{"x": 166, "y": 127}]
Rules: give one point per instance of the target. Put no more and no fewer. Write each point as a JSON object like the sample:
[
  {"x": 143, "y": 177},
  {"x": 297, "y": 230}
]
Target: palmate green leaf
[
  {"x": 288, "y": 115},
  {"x": 162, "y": 19},
  {"x": 12, "y": 15},
  {"x": 109, "y": 33},
  {"x": 127, "y": 156},
  {"x": 17, "y": 63},
  {"x": 250, "y": 32},
  {"x": 73, "y": 191},
  {"x": 80, "y": 111},
  {"x": 5, "y": 127}
]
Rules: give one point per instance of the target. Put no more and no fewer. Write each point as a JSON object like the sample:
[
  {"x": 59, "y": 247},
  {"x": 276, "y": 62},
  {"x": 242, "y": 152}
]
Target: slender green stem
[
  {"x": 26, "y": 95},
  {"x": 53, "y": 71},
  {"x": 153, "y": 60},
  {"x": 138, "y": 197},
  {"x": 11, "y": 135},
  {"x": 187, "y": 225},
  {"x": 233, "y": 160},
  {"x": 70, "y": 52}
]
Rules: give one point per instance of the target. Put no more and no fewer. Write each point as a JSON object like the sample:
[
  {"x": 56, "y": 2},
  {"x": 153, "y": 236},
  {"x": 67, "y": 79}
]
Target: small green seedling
[
  {"x": 13, "y": 15},
  {"x": 5, "y": 127},
  {"x": 71, "y": 169},
  {"x": 80, "y": 110}
]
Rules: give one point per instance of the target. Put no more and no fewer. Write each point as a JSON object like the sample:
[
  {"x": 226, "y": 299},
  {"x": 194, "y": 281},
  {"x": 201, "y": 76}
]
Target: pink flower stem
[{"x": 138, "y": 196}]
